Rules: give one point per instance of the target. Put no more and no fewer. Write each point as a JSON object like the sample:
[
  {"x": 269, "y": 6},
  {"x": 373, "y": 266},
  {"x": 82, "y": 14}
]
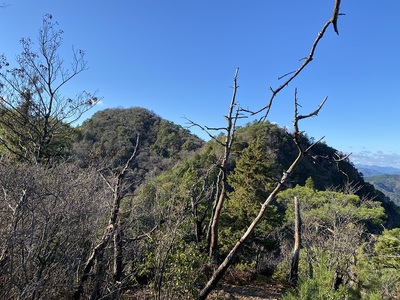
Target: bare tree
[
  {"x": 306, "y": 61},
  {"x": 222, "y": 176},
  {"x": 219, "y": 272},
  {"x": 47, "y": 217},
  {"x": 221, "y": 184},
  {"x": 120, "y": 189},
  {"x": 35, "y": 116}
]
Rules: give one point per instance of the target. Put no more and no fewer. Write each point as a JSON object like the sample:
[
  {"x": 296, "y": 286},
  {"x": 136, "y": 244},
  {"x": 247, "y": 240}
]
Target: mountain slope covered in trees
[
  {"x": 144, "y": 219},
  {"x": 387, "y": 184},
  {"x": 109, "y": 137}
]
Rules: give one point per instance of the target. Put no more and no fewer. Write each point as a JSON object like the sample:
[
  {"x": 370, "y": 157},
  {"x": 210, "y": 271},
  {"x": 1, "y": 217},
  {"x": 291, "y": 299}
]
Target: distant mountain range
[
  {"x": 385, "y": 179},
  {"x": 389, "y": 184},
  {"x": 368, "y": 171}
]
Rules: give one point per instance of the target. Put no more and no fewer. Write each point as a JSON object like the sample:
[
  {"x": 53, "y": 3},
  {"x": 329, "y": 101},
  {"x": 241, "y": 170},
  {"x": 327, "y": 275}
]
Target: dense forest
[{"x": 131, "y": 206}]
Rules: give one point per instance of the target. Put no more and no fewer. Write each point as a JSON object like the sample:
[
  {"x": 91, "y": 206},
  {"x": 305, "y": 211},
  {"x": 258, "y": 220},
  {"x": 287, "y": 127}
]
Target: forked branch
[
  {"x": 307, "y": 60},
  {"x": 230, "y": 118}
]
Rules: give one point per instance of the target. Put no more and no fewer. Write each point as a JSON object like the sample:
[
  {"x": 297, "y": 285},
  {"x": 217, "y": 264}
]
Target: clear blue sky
[{"x": 178, "y": 59}]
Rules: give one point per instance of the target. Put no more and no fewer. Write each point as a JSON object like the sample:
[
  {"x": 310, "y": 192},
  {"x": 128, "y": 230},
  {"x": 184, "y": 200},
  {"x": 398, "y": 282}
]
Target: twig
[
  {"x": 228, "y": 118},
  {"x": 307, "y": 60}
]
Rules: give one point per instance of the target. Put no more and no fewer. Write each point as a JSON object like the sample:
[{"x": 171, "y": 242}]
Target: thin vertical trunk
[
  {"x": 118, "y": 253},
  {"x": 220, "y": 197},
  {"x": 293, "y": 277},
  {"x": 98, "y": 277},
  {"x": 215, "y": 224},
  {"x": 195, "y": 212}
]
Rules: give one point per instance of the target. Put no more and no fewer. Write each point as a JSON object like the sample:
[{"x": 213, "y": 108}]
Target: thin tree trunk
[
  {"x": 98, "y": 277},
  {"x": 96, "y": 256},
  {"x": 293, "y": 277},
  {"x": 221, "y": 184},
  {"x": 215, "y": 224},
  {"x": 337, "y": 280},
  {"x": 118, "y": 253}
]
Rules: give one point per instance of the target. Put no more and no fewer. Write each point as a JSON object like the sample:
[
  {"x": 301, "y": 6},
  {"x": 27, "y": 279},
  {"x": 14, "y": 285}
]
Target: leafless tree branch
[
  {"x": 307, "y": 60},
  {"x": 112, "y": 230}
]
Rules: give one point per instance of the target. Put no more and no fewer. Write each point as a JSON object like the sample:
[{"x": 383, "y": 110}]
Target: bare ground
[
  {"x": 249, "y": 292},
  {"x": 227, "y": 292}
]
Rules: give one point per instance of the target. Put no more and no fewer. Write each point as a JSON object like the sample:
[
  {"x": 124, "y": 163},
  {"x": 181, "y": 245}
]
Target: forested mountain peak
[{"x": 110, "y": 135}]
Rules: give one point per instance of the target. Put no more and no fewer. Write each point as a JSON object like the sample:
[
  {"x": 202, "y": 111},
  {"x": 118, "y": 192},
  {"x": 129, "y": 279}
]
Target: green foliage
[
  {"x": 332, "y": 230},
  {"x": 379, "y": 267},
  {"x": 181, "y": 271},
  {"x": 330, "y": 208},
  {"x": 170, "y": 260},
  {"x": 109, "y": 137},
  {"x": 320, "y": 285},
  {"x": 310, "y": 183},
  {"x": 388, "y": 249},
  {"x": 251, "y": 182}
]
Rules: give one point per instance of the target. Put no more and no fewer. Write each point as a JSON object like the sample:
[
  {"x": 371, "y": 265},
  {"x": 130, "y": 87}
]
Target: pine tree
[{"x": 251, "y": 183}]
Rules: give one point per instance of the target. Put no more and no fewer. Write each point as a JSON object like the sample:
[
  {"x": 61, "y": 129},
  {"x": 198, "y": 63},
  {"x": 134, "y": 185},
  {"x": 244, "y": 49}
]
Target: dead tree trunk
[
  {"x": 220, "y": 271},
  {"x": 118, "y": 253},
  {"x": 96, "y": 256},
  {"x": 222, "y": 176},
  {"x": 293, "y": 277},
  {"x": 220, "y": 194},
  {"x": 113, "y": 231}
]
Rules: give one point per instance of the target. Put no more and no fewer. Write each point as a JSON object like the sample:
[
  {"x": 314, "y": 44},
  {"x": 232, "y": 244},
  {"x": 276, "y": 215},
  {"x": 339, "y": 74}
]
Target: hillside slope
[
  {"x": 321, "y": 165},
  {"x": 387, "y": 184},
  {"x": 109, "y": 137}
]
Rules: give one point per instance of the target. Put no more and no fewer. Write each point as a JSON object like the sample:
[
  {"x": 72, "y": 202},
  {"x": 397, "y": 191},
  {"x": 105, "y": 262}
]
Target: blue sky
[{"x": 178, "y": 58}]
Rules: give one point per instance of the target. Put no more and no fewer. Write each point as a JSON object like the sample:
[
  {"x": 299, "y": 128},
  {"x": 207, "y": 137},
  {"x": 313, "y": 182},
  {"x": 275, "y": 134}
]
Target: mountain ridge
[{"x": 371, "y": 170}]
